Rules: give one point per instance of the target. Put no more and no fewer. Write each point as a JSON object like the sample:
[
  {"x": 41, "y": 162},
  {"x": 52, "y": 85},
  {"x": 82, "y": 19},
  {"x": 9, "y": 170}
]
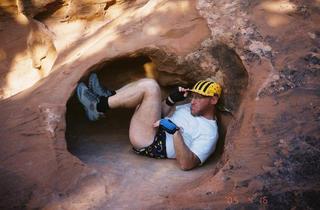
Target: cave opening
[
  {"x": 105, "y": 146},
  {"x": 86, "y": 138}
]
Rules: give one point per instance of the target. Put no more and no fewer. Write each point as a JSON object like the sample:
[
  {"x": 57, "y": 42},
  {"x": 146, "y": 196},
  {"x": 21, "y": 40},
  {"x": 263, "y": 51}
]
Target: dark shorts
[{"x": 157, "y": 149}]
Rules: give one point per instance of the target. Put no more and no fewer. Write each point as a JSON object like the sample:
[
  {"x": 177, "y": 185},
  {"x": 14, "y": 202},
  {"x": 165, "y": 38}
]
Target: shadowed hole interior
[{"x": 105, "y": 146}]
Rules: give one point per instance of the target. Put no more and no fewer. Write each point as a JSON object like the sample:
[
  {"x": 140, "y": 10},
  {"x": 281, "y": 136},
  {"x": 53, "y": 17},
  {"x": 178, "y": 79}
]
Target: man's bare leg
[{"x": 145, "y": 95}]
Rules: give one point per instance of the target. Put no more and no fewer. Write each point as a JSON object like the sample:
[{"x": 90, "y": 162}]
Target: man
[{"x": 190, "y": 134}]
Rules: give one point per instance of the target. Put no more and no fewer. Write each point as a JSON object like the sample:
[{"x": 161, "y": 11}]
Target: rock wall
[
  {"x": 273, "y": 143},
  {"x": 265, "y": 53}
]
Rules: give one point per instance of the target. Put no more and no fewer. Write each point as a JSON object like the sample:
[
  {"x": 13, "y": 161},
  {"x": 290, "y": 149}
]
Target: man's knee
[
  {"x": 150, "y": 86},
  {"x": 138, "y": 140}
]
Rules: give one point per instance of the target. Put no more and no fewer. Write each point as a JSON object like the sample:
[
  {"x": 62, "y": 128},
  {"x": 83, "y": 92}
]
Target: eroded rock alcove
[{"x": 104, "y": 144}]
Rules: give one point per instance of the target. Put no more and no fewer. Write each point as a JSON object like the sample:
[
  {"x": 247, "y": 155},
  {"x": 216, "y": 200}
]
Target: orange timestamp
[{"x": 232, "y": 200}]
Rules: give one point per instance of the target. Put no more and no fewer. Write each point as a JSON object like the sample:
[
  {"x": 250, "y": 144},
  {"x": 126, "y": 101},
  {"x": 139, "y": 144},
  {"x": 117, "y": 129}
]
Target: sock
[{"x": 103, "y": 104}]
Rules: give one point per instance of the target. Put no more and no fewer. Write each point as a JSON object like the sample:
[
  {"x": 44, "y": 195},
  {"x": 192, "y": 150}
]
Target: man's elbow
[{"x": 186, "y": 166}]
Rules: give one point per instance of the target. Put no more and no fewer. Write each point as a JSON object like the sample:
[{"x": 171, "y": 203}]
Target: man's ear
[{"x": 214, "y": 100}]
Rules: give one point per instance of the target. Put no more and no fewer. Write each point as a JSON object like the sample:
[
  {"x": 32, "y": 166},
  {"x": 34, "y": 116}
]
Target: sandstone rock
[
  {"x": 27, "y": 53},
  {"x": 265, "y": 53},
  {"x": 41, "y": 48}
]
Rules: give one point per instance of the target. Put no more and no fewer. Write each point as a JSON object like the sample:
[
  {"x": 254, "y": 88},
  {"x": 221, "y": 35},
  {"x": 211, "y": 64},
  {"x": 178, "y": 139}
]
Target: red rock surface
[{"x": 265, "y": 53}]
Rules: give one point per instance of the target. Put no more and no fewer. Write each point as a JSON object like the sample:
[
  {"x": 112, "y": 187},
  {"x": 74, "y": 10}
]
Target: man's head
[{"x": 205, "y": 95}]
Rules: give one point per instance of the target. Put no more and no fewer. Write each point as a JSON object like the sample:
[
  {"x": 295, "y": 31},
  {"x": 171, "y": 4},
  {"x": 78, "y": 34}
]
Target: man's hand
[
  {"x": 167, "y": 125},
  {"x": 179, "y": 94}
]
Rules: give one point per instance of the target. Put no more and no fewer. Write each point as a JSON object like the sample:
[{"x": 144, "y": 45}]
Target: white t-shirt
[{"x": 199, "y": 133}]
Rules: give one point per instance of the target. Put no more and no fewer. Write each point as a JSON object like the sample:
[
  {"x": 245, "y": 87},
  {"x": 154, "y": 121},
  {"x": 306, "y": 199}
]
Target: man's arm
[
  {"x": 185, "y": 157},
  {"x": 179, "y": 94}
]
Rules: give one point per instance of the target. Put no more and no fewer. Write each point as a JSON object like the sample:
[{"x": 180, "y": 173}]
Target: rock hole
[{"x": 105, "y": 144}]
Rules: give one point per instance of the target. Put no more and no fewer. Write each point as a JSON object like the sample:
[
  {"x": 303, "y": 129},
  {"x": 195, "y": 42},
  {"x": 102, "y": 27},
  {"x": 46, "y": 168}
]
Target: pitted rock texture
[{"x": 265, "y": 53}]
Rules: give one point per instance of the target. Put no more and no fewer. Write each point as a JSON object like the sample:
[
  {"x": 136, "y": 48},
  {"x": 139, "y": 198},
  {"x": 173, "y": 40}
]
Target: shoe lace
[
  {"x": 98, "y": 88},
  {"x": 91, "y": 96}
]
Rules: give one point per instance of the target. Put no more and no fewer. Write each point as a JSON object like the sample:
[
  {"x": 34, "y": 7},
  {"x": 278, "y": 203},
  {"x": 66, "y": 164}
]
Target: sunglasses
[{"x": 197, "y": 96}]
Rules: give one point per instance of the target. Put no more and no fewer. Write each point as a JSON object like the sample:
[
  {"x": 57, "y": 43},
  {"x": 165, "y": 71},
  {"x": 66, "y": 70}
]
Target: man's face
[{"x": 200, "y": 104}]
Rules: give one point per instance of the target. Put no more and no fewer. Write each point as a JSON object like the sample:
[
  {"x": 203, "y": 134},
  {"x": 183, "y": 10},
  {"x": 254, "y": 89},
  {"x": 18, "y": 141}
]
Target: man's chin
[{"x": 193, "y": 113}]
